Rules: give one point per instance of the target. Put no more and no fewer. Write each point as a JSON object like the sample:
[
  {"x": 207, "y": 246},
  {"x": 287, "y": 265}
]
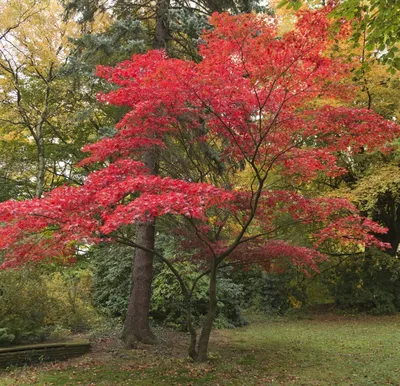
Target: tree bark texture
[
  {"x": 192, "y": 330},
  {"x": 136, "y": 327},
  {"x": 41, "y": 163},
  {"x": 204, "y": 338}
]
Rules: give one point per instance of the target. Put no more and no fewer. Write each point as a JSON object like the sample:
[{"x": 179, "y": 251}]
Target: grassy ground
[{"x": 322, "y": 350}]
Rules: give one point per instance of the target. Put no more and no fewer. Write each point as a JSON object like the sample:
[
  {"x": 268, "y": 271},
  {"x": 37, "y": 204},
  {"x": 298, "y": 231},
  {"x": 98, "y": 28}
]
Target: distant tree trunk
[
  {"x": 210, "y": 317},
  {"x": 389, "y": 215},
  {"x": 189, "y": 324},
  {"x": 161, "y": 33},
  {"x": 40, "y": 165},
  {"x": 136, "y": 327},
  {"x": 36, "y": 130}
]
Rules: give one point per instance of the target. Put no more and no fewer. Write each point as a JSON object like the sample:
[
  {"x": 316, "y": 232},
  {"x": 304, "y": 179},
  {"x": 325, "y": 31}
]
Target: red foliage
[{"x": 251, "y": 96}]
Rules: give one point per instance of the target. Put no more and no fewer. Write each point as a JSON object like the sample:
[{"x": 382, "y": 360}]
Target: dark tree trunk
[
  {"x": 193, "y": 335},
  {"x": 210, "y": 317},
  {"x": 40, "y": 165},
  {"x": 161, "y": 34},
  {"x": 136, "y": 327}
]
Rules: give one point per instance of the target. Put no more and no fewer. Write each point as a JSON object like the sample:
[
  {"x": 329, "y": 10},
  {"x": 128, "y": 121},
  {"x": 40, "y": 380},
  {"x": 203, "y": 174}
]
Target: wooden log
[{"x": 20, "y": 355}]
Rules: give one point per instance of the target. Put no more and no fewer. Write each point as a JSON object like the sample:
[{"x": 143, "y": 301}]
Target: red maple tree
[{"x": 252, "y": 99}]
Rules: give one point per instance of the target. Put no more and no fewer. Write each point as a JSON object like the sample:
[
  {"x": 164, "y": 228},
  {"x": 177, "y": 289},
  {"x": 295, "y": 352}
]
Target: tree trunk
[
  {"x": 136, "y": 327},
  {"x": 40, "y": 165},
  {"x": 193, "y": 335},
  {"x": 161, "y": 33},
  {"x": 38, "y": 135},
  {"x": 210, "y": 317}
]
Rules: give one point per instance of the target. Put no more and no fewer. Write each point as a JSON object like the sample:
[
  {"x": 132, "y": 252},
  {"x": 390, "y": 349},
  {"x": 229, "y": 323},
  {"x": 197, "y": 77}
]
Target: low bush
[
  {"x": 272, "y": 293},
  {"x": 112, "y": 286},
  {"x": 370, "y": 283},
  {"x": 44, "y": 302},
  {"x": 24, "y": 303},
  {"x": 168, "y": 305}
]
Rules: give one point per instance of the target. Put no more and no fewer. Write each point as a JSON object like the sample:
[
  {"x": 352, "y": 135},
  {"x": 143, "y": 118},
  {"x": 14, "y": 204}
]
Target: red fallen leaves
[{"x": 250, "y": 98}]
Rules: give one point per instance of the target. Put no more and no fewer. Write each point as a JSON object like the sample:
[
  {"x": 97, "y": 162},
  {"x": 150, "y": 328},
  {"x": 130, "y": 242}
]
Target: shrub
[
  {"x": 24, "y": 303},
  {"x": 270, "y": 292},
  {"x": 112, "y": 270},
  {"x": 370, "y": 283},
  {"x": 71, "y": 295},
  {"x": 6, "y": 338},
  {"x": 230, "y": 297},
  {"x": 112, "y": 286},
  {"x": 168, "y": 302},
  {"x": 38, "y": 303}
]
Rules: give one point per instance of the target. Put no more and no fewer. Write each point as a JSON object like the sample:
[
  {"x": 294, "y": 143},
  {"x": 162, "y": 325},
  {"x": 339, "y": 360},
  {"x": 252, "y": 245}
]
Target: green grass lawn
[{"x": 325, "y": 350}]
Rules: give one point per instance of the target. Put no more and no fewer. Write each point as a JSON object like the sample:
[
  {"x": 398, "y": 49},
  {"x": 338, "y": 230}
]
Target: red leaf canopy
[{"x": 253, "y": 96}]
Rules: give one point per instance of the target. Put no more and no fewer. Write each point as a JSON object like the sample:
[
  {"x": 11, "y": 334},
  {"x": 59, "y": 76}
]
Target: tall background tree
[
  {"x": 174, "y": 27},
  {"x": 40, "y": 108}
]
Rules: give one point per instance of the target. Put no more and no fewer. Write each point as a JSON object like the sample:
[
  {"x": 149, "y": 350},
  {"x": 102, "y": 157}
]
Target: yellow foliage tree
[{"x": 34, "y": 49}]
